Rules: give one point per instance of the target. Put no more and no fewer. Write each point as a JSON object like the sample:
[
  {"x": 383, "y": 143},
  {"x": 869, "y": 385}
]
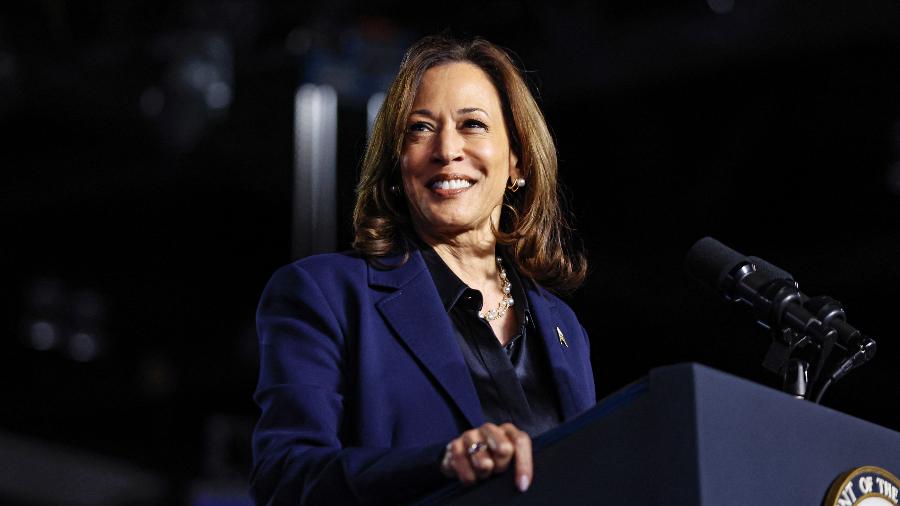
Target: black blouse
[{"x": 513, "y": 382}]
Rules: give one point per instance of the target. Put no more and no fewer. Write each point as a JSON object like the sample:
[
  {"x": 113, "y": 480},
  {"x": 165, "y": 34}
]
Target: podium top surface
[{"x": 689, "y": 434}]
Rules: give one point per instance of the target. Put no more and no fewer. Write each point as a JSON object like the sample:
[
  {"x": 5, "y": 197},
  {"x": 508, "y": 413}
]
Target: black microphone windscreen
[{"x": 710, "y": 261}]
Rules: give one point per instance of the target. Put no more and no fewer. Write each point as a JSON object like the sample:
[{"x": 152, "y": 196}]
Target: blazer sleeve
[{"x": 298, "y": 454}]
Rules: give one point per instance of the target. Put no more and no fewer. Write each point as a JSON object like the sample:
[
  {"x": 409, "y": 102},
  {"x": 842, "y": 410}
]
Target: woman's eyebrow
[
  {"x": 467, "y": 110},
  {"x": 464, "y": 110}
]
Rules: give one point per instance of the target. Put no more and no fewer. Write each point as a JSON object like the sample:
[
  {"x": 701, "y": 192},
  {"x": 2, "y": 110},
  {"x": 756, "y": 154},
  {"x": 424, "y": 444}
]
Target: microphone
[
  {"x": 829, "y": 311},
  {"x": 778, "y": 303},
  {"x": 769, "y": 290}
]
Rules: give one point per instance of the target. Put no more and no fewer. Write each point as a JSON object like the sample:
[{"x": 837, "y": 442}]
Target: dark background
[{"x": 145, "y": 196}]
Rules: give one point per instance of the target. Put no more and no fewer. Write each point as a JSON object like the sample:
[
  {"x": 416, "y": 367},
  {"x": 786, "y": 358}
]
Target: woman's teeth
[{"x": 451, "y": 184}]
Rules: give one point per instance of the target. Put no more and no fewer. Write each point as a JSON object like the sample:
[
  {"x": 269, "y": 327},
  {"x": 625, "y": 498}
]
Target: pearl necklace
[{"x": 505, "y": 302}]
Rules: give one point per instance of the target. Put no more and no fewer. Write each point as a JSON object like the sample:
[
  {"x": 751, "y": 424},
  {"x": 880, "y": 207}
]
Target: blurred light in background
[
  {"x": 43, "y": 335},
  {"x": 196, "y": 89},
  {"x": 43, "y": 313},
  {"x": 218, "y": 95},
  {"x": 720, "y": 6},
  {"x": 314, "y": 214},
  {"x": 84, "y": 346},
  {"x": 351, "y": 64},
  {"x": 356, "y": 60},
  {"x": 372, "y": 108},
  {"x": 56, "y": 318}
]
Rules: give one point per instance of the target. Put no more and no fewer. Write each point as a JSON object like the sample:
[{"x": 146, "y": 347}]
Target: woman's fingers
[
  {"x": 524, "y": 464},
  {"x": 489, "y": 449},
  {"x": 478, "y": 453},
  {"x": 501, "y": 447},
  {"x": 459, "y": 461}
]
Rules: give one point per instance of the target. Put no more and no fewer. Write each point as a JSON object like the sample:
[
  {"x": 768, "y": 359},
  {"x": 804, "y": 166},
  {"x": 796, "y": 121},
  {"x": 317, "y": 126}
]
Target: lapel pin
[{"x": 562, "y": 338}]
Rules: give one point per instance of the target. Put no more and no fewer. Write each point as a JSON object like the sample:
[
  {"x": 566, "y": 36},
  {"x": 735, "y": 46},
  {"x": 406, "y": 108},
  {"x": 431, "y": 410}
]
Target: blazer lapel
[
  {"x": 562, "y": 360},
  {"x": 416, "y": 314}
]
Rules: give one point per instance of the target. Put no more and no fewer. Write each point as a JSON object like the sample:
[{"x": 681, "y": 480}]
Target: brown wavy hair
[{"x": 533, "y": 227}]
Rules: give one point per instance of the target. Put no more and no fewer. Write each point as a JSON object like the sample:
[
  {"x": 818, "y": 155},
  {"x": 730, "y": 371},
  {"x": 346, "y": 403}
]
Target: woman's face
[{"x": 456, "y": 156}]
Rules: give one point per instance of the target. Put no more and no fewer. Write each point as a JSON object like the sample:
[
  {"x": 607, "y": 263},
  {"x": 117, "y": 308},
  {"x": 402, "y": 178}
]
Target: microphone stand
[
  {"x": 805, "y": 331},
  {"x": 800, "y": 359}
]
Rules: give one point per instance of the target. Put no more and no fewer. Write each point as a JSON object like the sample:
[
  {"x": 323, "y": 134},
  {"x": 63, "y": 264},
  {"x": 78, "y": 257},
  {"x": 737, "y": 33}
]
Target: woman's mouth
[{"x": 448, "y": 185}]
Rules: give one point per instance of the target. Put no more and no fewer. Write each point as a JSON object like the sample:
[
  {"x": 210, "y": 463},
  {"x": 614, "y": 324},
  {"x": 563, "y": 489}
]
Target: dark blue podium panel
[{"x": 691, "y": 435}]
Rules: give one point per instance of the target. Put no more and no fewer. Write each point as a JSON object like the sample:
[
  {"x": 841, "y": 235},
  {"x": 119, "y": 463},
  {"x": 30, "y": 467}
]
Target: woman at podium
[{"x": 435, "y": 349}]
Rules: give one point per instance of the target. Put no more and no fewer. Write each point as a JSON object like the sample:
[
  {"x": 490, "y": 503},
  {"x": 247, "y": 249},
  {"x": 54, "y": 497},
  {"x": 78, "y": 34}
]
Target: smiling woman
[
  {"x": 456, "y": 156},
  {"x": 532, "y": 223},
  {"x": 433, "y": 351}
]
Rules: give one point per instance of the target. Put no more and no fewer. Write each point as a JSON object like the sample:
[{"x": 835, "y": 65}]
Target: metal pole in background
[{"x": 314, "y": 217}]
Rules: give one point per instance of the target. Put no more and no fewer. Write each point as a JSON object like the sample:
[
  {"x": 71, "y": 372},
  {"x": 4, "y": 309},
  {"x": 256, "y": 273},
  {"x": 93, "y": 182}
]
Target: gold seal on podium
[{"x": 864, "y": 486}]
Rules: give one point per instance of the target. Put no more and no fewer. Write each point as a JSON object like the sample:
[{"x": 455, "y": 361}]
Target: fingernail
[{"x": 523, "y": 482}]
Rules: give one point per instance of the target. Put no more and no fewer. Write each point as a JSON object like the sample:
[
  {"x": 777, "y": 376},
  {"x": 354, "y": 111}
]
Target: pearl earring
[{"x": 515, "y": 185}]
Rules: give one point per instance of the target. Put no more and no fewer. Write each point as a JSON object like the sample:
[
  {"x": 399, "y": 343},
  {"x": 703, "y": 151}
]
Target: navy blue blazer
[{"x": 362, "y": 382}]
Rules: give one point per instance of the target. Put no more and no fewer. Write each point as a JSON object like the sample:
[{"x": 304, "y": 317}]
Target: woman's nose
[{"x": 448, "y": 146}]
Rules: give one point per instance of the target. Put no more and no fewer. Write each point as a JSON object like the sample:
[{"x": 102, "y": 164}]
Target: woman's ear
[{"x": 514, "y": 170}]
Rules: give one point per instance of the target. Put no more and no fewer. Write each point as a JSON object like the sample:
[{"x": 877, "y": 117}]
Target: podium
[{"x": 690, "y": 435}]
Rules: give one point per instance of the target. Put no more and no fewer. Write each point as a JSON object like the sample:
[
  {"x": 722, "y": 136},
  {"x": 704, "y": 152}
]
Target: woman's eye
[
  {"x": 419, "y": 127},
  {"x": 474, "y": 123}
]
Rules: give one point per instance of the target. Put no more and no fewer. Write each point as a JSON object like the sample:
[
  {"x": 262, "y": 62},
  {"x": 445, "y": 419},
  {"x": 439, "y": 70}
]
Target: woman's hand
[{"x": 489, "y": 449}]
